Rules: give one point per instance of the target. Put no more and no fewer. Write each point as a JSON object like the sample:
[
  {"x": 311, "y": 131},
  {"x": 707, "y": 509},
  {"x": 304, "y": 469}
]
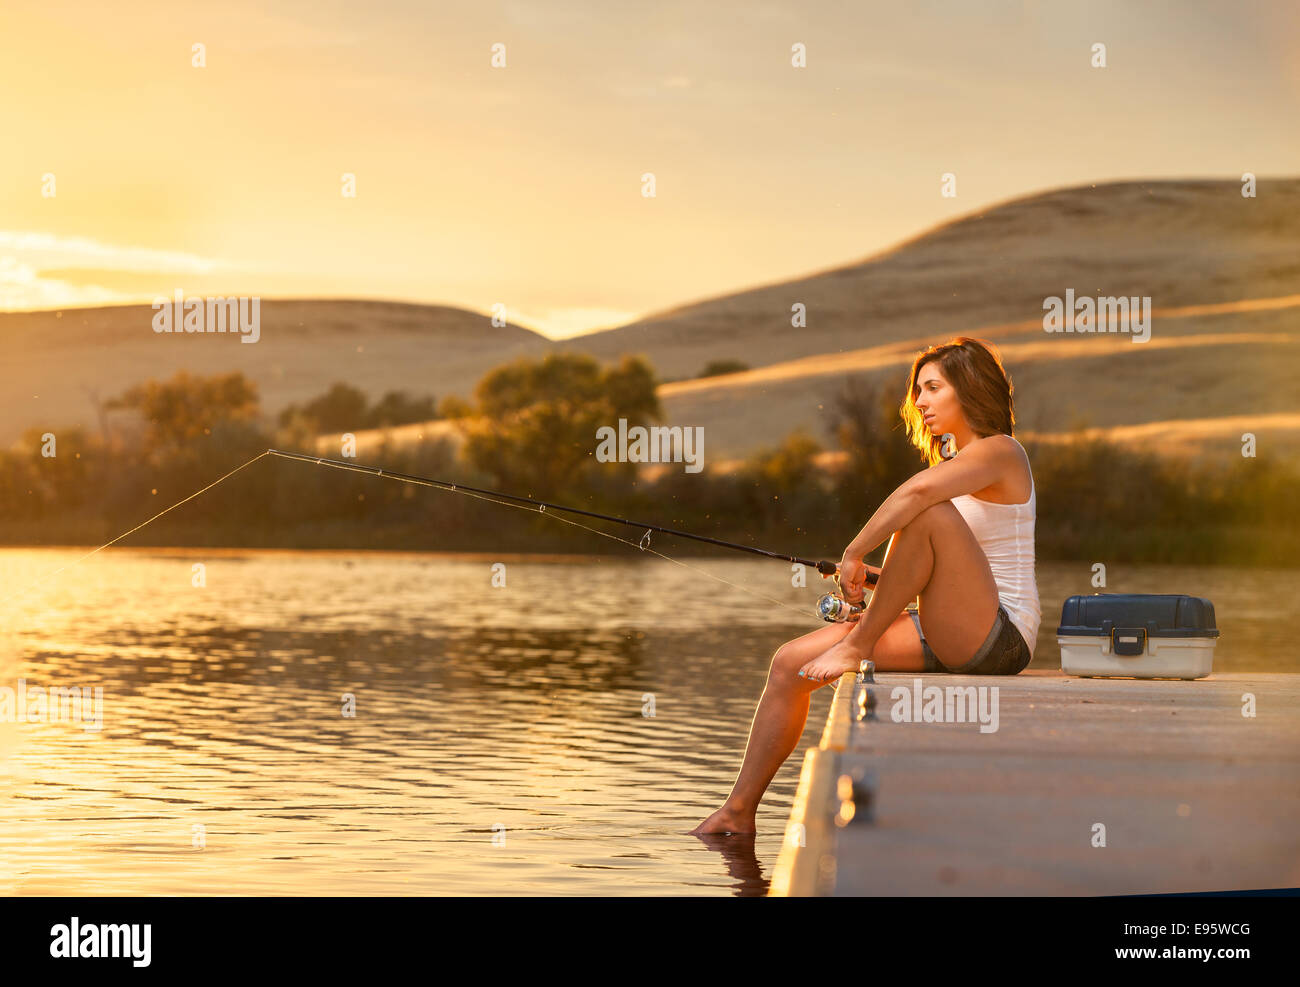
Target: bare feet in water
[{"x": 726, "y": 820}]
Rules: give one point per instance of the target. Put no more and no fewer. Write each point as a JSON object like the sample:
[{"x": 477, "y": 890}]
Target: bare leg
[
  {"x": 936, "y": 559},
  {"x": 775, "y": 731},
  {"x": 965, "y": 597},
  {"x": 783, "y": 712},
  {"x": 908, "y": 565}
]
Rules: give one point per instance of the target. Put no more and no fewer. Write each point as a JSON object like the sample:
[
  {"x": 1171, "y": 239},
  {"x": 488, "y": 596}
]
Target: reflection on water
[{"x": 498, "y": 743}]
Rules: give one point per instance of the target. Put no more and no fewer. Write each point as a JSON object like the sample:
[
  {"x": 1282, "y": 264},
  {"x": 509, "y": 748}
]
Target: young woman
[{"x": 960, "y": 559}]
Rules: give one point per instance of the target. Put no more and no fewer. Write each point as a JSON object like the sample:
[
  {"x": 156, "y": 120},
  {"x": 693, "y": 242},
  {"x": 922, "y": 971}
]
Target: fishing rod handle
[{"x": 833, "y": 569}]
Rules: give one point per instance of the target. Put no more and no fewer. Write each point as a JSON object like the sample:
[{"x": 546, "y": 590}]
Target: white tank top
[{"x": 1006, "y": 533}]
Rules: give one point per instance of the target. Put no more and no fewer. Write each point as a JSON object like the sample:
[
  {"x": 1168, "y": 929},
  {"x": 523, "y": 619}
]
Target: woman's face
[{"x": 937, "y": 401}]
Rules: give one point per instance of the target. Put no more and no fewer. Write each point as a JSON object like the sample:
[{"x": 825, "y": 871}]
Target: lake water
[{"x": 499, "y": 742}]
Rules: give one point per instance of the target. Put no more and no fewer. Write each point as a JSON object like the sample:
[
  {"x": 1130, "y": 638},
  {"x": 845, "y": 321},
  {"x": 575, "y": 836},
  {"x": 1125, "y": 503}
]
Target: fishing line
[
  {"x": 824, "y": 567},
  {"x": 478, "y": 494},
  {"x": 50, "y": 575},
  {"x": 495, "y": 497}
]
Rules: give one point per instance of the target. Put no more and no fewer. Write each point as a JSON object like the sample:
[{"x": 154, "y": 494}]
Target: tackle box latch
[{"x": 1128, "y": 640}]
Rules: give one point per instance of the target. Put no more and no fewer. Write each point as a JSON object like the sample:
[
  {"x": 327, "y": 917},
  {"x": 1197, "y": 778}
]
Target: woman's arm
[{"x": 981, "y": 464}]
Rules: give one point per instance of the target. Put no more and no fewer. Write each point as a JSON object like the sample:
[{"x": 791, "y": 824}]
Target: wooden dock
[{"x": 1085, "y": 787}]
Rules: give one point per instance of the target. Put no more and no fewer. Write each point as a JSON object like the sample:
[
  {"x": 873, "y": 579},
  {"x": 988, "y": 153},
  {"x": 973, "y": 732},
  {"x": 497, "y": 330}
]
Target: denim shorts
[{"x": 1003, "y": 652}]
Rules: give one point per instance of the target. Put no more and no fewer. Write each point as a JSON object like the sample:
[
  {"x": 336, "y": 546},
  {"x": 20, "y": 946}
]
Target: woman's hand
[{"x": 852, "y": 578}]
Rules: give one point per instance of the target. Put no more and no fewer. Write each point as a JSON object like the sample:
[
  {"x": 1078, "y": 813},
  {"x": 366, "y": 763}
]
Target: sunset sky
[{"x": 522, "y": 185}]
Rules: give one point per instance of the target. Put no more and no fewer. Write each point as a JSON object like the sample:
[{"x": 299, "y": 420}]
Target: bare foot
[
  {"x": 726, "y": 821},
  {"x": 841, "y": 657}
]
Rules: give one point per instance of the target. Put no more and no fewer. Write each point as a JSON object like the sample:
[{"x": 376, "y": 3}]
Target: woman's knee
[
  {"x": 936, "y": 514},
  {"x": 786, "y": 662},
  {"x": 799, "y": 651}
]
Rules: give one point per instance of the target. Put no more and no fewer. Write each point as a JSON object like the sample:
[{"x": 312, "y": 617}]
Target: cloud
[
  {"x": 21, "y": 287},
  {"x": 52, "y": 250},
  {"x": 46, "y": 270}
]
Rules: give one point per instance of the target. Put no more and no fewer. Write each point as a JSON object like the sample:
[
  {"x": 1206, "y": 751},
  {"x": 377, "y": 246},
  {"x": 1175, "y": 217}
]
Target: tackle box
[{"x": 1138, "y": 635}]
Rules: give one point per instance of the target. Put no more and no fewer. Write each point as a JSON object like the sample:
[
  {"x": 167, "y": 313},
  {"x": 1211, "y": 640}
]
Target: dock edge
[{"x": 806, "y": 864}]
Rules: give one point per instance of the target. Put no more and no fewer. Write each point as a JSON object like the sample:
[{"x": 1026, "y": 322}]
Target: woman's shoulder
[
  {"x": 1018, "y": 483},
  {"x": 1004, "y": 443}
]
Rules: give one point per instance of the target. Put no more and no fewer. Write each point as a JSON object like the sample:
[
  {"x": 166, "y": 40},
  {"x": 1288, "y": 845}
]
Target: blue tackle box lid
[{"x": 1160, "y": 615}]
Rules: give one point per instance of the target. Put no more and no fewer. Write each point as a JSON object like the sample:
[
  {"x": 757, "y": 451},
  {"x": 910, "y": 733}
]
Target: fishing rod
[{"x": 829, "y": 607}]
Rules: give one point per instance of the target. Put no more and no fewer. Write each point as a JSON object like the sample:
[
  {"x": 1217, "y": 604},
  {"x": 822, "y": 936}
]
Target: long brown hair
[{"x": 974, "y": 369}]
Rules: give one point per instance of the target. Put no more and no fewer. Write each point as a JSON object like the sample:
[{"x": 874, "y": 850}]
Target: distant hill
[
  {"x": 54, "y": 360},
  {"x": 1180, "y": 242},
  {"x": 1223, "y": 274}
]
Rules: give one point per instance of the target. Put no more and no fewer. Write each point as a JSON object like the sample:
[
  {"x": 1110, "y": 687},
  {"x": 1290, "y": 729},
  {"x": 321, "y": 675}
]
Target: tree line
[{"x": 530, "y": 430}]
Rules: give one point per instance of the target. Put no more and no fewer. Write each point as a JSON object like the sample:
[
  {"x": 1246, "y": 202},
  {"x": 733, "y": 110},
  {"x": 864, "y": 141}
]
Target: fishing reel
[
  {"x": 832, "y": 607},
  {"x": 836, "y": 609}
]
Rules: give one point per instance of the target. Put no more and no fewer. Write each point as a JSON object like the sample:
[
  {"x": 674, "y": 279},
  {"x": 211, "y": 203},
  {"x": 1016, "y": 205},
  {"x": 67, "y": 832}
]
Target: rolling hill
[{"x": 1222, "y": 273}]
